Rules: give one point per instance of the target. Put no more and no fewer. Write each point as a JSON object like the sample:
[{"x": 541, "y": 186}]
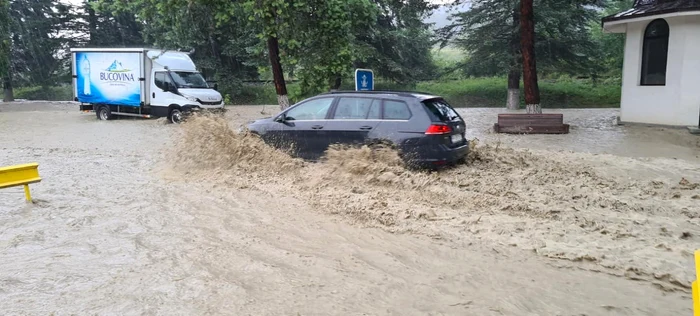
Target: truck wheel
[
  {"x": 175, "y": 116},
  {"x": 104, "y": 113}
]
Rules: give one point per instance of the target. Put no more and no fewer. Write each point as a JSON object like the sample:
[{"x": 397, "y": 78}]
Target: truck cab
[
  {"x": 147, "y": 83},
  {"x": 177, "y": 87}
]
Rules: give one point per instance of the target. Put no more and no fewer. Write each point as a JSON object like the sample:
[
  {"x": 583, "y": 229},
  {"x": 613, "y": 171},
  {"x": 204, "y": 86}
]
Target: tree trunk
[
  {"x": 513, "y": 89},
  {"x": 527, "y": 44},
  {"x": 92, "y": 23},
  {"x": 515, "y": 65},
  {"x": 8, "y": 94},
  {"x": 277, "y": 74}
]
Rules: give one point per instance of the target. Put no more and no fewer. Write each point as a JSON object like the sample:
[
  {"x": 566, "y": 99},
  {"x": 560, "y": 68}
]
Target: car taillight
[{"x": 438, "y": 129}]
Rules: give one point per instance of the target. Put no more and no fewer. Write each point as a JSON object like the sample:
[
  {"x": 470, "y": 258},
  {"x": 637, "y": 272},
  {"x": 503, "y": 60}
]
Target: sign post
[{"x": 364, "y": 80}]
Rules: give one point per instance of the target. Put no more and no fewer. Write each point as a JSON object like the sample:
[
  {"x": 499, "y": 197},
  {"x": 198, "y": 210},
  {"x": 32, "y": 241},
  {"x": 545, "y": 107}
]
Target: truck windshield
[{"x": 189, "y": 80}]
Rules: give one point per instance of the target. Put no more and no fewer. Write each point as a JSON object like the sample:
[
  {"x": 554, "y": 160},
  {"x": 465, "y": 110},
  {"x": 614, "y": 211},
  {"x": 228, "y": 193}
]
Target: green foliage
[
  {"x": 59, "y": 93},
  {"x": 324, "y": 40},
  {"x": 37, "y": 42},
  {"x": 5, "y": 42},
  {"x": 611, "y": 50},
  {"x": 397, "y": 44},
  {"x": 253, "y": 95},
  {"x": 489, "y": 33},
  {"x": 476, "y": 92},
  {"x": 225, "y": 52},
  {"x": 264, "y": 94},
  {"x": 110, "y": 28},
  {"x": 325, "y": 51},
  {"x": 448, "y": 62},
  {"x": 321, "y": 41}
]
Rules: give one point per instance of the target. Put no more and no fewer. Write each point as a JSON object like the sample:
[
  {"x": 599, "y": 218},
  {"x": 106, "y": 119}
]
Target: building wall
[{"x": 676, "y": 103}]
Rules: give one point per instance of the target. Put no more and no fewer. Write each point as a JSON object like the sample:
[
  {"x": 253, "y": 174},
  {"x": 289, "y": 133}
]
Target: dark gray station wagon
[{"x": 424, "y": 128}]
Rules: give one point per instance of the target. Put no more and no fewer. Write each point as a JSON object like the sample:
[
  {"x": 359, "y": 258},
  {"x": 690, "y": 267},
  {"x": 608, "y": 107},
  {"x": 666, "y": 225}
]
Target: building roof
[{"x": 646, "y": 8}]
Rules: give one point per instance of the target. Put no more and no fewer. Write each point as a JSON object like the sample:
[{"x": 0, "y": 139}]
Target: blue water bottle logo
[{"x": 85, "y": 69}]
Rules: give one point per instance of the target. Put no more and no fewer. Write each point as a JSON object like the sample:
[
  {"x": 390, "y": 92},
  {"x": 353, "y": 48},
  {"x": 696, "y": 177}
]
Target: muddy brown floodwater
[{"x": 140, "y": 217}]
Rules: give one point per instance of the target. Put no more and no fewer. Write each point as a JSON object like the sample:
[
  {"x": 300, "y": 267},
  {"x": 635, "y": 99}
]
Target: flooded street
[{"x": 140, "y": 217}]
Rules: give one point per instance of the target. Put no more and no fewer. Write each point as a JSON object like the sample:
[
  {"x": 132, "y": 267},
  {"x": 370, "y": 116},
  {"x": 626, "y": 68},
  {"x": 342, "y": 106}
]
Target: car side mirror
[
  {"x": 216, "y": 87},
  {"x": 281, "y": 118}
]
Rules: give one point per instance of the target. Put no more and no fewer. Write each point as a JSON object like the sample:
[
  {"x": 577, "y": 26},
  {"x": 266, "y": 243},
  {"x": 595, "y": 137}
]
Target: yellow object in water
[
  {"x": 696, "y": 299},
  {"x": 17, "y": 175},
  {"x": 696, "y": 286}
]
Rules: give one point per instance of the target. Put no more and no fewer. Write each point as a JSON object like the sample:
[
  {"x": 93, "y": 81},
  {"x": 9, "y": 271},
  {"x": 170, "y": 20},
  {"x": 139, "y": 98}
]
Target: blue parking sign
[{"x": 364, "y": 80}]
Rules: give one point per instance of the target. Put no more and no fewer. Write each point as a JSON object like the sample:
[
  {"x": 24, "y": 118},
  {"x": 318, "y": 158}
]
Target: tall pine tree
[
  {"x": 38, "y": 40},
  {"x": 490, "y": 34},
  {"x": 5, "y": 45}
]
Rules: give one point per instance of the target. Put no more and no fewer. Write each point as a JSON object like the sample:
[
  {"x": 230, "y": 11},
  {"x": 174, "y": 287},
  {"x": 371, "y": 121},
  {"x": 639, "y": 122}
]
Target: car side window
[
  {"x": 396, "y": 110},
  {"x": 352, "y": 108},
  {"x": 310, "y": 110},
  {"x": 160, "y": 80},
  {"x": 375, "y": 110}
]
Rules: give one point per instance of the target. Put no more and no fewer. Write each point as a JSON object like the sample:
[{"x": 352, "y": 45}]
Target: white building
[{"x": 661, "y": 71}]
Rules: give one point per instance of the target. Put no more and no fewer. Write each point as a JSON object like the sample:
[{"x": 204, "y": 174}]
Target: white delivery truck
[{"x": 140, "y": 82}]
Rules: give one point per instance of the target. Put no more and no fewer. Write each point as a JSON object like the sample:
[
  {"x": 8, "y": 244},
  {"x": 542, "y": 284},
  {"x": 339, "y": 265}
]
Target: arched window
[{"x": 655, "y": 53}]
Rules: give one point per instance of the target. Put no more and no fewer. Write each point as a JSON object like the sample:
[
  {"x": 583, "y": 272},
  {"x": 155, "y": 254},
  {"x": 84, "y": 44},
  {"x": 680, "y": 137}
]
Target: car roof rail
[{"x": 397, "y": 92}]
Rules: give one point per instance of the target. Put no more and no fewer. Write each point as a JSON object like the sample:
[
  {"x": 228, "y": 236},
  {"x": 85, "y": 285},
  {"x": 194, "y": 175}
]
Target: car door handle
[
  {"x": 154, "y": 94},
  {"x": 366, "y": 128},
  {"x": 317, "y": 127}
]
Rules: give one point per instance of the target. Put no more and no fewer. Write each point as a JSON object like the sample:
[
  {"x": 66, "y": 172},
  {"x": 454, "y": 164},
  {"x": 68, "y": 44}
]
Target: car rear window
[
  {"x": 396, "y": 110},
  {"x": 441, "y": 110}
]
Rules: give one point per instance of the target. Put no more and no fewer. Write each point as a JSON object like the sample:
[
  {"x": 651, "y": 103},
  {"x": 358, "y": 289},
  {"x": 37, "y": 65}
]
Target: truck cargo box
[{"x": 113, "y": 78}]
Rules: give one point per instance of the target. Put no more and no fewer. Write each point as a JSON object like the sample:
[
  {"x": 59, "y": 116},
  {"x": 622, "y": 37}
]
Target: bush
[
  {"x": 61, "y": 93},
  {"x": 251, "y": 95}
]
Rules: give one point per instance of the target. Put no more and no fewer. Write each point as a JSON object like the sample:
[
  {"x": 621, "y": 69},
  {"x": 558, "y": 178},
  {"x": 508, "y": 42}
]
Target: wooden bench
[{"x": 531, "y": 124}]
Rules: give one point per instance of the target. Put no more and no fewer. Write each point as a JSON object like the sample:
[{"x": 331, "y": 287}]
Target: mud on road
[{"x": 143, "y": 217}]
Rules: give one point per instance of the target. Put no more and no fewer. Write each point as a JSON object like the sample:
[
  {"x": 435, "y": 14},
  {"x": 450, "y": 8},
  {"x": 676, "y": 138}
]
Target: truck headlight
[{"x": 190, "y": 98}]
